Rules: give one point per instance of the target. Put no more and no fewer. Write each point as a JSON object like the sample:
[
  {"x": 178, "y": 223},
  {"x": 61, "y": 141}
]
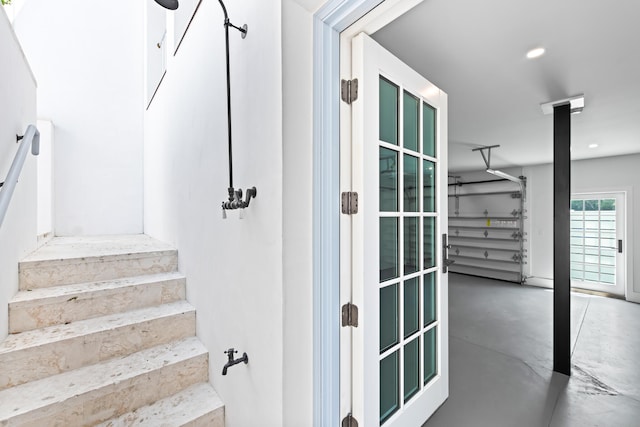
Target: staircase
[{"x": 101, "y": 334}]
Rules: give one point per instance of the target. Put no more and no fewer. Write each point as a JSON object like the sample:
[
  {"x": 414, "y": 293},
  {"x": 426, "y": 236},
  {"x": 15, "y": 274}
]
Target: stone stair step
[
  {"x": 49, "y": 351},
  {"x": 97, "y": 393},
  {"x": 69, "y": 260},
  {"x": 197, "y": 406},
  {"x": 57, "y": 305}
]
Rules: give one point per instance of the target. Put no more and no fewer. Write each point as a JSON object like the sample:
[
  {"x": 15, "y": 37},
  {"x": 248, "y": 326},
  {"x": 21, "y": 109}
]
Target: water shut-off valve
[{"x": 235, "y": 200}]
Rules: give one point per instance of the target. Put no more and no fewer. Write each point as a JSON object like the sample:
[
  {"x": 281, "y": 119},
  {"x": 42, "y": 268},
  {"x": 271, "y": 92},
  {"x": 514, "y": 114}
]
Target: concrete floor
[{"x": 501, "y": 357}]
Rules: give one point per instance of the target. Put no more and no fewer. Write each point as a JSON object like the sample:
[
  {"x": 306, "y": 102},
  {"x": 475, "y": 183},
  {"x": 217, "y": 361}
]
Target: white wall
[
  {"x": 297, "y": 60},
  {"x": 87, "y": 57},
  {"x": 17, "y": 110},
  {"x": 45, "y": 180},
  {"x": 596, "y": 175},
  {"x": 539, "y": 225},
  {"x": 234, "y": 267}
]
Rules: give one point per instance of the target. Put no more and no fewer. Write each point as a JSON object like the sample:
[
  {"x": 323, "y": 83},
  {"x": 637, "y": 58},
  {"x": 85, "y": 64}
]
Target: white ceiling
[
  {"x": 475, "y": 51},
  {"x": 311, "y": 5}
]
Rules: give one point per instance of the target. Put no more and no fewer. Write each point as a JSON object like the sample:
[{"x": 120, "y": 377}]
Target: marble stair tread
[
  {"x": 126, "y": 383},
  {"x": 198, "y": 405},
  {"x": 83, "y": 328},
  {"x": 40, "y": 353},
  {"x": 86, "y": 247},
  {"x": 70, "y": 260},
  {"x": 44, "y": 307}
]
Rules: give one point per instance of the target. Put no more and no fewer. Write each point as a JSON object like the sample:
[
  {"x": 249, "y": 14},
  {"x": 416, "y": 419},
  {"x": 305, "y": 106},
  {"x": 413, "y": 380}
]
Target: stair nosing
[
  {"x": 27, "y": 264},
  {"x": 151, "y": 412},
  {"x": 125, "y": 365},
  {"x": 24, "y": 297},
  {"x": 96, "y": 325}
]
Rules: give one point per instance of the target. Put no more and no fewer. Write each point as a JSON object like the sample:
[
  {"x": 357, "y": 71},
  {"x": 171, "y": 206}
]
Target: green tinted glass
[
  {"x": 411, "y": 245},
  {"x": 388, "y": 111},
  {"x": 410, "y": 106},
  {"x": 608, "y": 204},
  {"x": 429, "y": 242},
  {"x": 429, "y": 298},
  {"x": 388, "y": 180},
  {"x": 591, "y": 205},
  {"x": 411, "y": 306},
  {"x": 429, "y": 132},
  {"x": 388, "y": 317},
  {"x": 389, "y": 265},
  {"x": 411, "y": 193},
  {"x": 430, "y": 355},
  {"x": 411, "y": 369},
  {"x": 429, "y": 186},
  {"x": 389, "y": 386}
]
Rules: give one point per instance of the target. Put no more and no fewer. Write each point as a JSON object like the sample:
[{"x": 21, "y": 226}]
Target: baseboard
[
  {"x": 540, "y": 282},
  {"x": 44, "y": 238},
  {"x": 633, "y": 296}
]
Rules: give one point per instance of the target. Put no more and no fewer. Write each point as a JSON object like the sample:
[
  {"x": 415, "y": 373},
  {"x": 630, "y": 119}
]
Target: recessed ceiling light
[
  {"x": 593, "y": 145},
  {"x": 535, "y": 53}
]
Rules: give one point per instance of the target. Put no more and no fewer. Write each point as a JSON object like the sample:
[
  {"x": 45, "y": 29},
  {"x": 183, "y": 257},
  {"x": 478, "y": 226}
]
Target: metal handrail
[{"x": 31, "y": 138}]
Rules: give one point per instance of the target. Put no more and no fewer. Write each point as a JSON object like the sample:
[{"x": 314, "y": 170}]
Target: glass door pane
[
  {"x": 388, "y": 111},
  {"x": 596, "y": 230},
  {"x": 593, "y": 240},
  {"x": 407, "y": 310},
  {"x": 389, "y": 394}
]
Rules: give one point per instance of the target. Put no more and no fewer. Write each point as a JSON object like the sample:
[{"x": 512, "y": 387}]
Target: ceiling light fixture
[
  {"x": 593, "y": 145},
  {"x": 535, "y": 53}
]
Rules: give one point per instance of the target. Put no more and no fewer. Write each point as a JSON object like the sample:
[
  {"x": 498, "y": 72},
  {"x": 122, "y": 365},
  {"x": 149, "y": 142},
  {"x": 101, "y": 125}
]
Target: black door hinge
[
  {"x": 349, "y": 421},
  {"x": 349, "y": 202},
  {"x": 349, "y": 90},
  {"x": 350, "y": 315}
]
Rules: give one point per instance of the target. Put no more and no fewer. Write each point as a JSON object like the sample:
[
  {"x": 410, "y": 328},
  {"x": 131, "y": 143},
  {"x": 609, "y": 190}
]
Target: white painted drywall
[
  {"x": 157, "y": 46},
  {"x": 45, "y": 179},
  {"x": 311, "y": 5},
  {"x": 595, "y": 175},
  {"x": 17, "y": 110},
  {"x": 87, "y": 57},
  {"x": 297, "y": 73},
  {"x": 539, "y": 225},
  {"x": 234, "y": 267}
]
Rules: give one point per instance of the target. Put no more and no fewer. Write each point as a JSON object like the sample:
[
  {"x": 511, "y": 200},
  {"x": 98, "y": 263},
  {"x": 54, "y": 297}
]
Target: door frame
[
  {"x": 630, "y": 293},
  {"x": 328, "y": 22},
  {"x": 621, "y": 267}
]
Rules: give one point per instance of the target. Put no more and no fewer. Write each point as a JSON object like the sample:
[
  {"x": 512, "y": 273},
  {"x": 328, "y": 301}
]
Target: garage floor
[{"x": 501, "y": 359}]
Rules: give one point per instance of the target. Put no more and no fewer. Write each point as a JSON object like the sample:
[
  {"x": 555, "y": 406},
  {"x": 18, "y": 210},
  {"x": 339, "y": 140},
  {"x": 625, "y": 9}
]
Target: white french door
[
  {"x": 597, "y": 242},
  {"x": 398, "y": 353}
]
